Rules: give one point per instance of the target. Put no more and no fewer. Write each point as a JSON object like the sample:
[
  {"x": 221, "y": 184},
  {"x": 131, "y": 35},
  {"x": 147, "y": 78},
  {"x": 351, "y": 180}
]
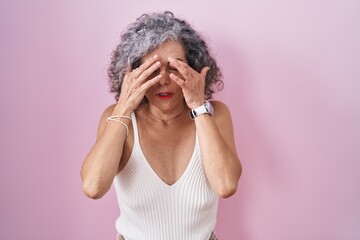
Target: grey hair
[{"x": 146, "y": 34}]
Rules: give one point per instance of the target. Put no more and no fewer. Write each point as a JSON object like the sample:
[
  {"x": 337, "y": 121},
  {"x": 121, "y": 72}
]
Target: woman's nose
[{"x": 165, "y": 80}]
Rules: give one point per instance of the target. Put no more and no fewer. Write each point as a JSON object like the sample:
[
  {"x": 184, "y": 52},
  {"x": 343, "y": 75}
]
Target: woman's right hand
[{"x": 136, "y": 83}]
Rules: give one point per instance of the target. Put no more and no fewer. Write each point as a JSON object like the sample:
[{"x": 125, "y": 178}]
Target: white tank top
[{"x": 153, "y": 210}]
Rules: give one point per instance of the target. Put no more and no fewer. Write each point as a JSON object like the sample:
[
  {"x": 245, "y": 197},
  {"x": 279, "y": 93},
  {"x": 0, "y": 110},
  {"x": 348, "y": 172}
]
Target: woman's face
[{"x": 166, "y": 95}]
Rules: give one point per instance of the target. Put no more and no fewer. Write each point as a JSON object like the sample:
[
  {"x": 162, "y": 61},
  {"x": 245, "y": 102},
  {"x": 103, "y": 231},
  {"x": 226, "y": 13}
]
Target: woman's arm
[
  {"x": 101, "y": 164},
  {"x": 221, "y": 163}
]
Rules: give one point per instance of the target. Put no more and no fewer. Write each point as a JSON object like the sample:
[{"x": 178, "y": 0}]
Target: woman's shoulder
[
  {"x": 103, "y": 119},
  {"x": 219, "y": 106},
  {"x": 221, "y": 111},
  {"x": 108, "y": 111}
]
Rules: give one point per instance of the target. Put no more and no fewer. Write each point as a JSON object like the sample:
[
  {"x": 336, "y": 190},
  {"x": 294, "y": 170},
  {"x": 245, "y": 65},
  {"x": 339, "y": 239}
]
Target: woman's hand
[
  {"x": 192, "y": 84},
  {"x": 136, "y": 83}
]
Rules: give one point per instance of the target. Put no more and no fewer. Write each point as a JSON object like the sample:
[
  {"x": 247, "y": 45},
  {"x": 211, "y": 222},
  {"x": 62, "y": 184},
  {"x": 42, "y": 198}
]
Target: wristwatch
[{"x": 205, "y": 108}]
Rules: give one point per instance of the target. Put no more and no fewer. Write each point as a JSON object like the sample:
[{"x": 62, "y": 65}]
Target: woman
[{"x": 168, "y": 168}]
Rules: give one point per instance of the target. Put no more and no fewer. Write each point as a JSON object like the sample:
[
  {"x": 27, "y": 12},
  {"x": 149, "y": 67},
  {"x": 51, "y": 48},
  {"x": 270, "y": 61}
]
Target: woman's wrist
[
  {"x": 121, "y": 110},
  {"x": 196, "y": 104}
]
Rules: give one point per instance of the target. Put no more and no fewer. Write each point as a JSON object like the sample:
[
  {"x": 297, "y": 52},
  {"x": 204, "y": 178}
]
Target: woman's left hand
[{"x": 192, "y": 84}]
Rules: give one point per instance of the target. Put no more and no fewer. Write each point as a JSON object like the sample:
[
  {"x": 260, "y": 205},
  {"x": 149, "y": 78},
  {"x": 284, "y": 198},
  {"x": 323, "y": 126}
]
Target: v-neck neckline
[{"x": 150, "y": 168}]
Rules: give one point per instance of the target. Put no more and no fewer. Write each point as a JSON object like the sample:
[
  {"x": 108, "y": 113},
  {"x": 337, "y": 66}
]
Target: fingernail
[
  {"x": 155, "y": 56},
  {"x": 170, "y": 59}
]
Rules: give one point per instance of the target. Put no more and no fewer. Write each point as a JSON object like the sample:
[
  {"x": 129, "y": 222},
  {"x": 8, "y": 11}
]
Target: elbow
[
  {"x": 92, "y": 191},
  {"x": 227, "y": 191},
  {"x": 229, "y": 186}
]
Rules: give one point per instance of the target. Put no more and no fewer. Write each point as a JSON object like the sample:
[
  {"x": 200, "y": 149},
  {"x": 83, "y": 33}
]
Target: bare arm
[
  {"x": 221, "y": 163},
  {"x": 101, "y": 164}
]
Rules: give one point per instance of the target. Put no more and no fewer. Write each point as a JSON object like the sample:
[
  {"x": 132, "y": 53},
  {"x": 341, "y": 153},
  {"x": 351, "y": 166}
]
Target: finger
[
  {"x": 146, "y": 65},
  {"x": 177, "y": 80},
  {"x": 127, "y": 74},
  {"x": 148, "y": 72},
  {"x": 128, "y": 69},
  {"x": 204, "y": 71},
  {"x": 135, "y": 69},
  {"x": 150, "y": 83},
  {"x": 184, "y": 69}
]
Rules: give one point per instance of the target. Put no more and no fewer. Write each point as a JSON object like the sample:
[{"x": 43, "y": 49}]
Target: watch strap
[{"x": 205, "y": 108}]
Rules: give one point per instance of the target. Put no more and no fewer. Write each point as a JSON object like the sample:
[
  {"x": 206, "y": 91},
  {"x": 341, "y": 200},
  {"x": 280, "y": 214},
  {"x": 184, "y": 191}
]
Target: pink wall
[{"x": 292, "y": 71}]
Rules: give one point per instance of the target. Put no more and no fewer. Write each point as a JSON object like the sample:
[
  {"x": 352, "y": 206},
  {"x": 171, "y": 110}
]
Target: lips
[{"x": 165, "y": 95}]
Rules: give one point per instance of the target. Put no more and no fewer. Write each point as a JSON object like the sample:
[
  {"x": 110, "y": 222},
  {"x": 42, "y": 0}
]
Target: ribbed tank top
[{"x": 150, "y": 209}]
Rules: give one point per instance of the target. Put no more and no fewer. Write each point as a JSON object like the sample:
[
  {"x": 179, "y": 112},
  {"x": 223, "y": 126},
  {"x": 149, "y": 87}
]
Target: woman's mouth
[{"x": 164, "y": 95}]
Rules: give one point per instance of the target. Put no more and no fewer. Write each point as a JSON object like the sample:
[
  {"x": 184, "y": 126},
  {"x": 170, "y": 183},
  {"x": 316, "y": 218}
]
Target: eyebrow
[
  {"x": 179, "y": 60},
  {"x": 141, "y": 62}
]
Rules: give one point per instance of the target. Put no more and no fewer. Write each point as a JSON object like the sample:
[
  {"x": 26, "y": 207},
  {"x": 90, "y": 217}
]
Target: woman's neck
[{"x": 166, "y": 117}]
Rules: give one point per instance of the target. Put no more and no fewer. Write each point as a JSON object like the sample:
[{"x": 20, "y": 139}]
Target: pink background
[{"x": 292, "y": 80}]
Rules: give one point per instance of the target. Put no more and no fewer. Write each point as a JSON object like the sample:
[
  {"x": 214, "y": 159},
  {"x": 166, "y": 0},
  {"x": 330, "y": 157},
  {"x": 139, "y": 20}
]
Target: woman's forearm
[
  {"x": 220, "y": 161},
  {"x": 101, "y": 164}
]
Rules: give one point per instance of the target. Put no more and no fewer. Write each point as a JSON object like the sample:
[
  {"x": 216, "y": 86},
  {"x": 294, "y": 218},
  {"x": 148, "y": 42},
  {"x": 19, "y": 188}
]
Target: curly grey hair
[{"x": 146, "y": 34}]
